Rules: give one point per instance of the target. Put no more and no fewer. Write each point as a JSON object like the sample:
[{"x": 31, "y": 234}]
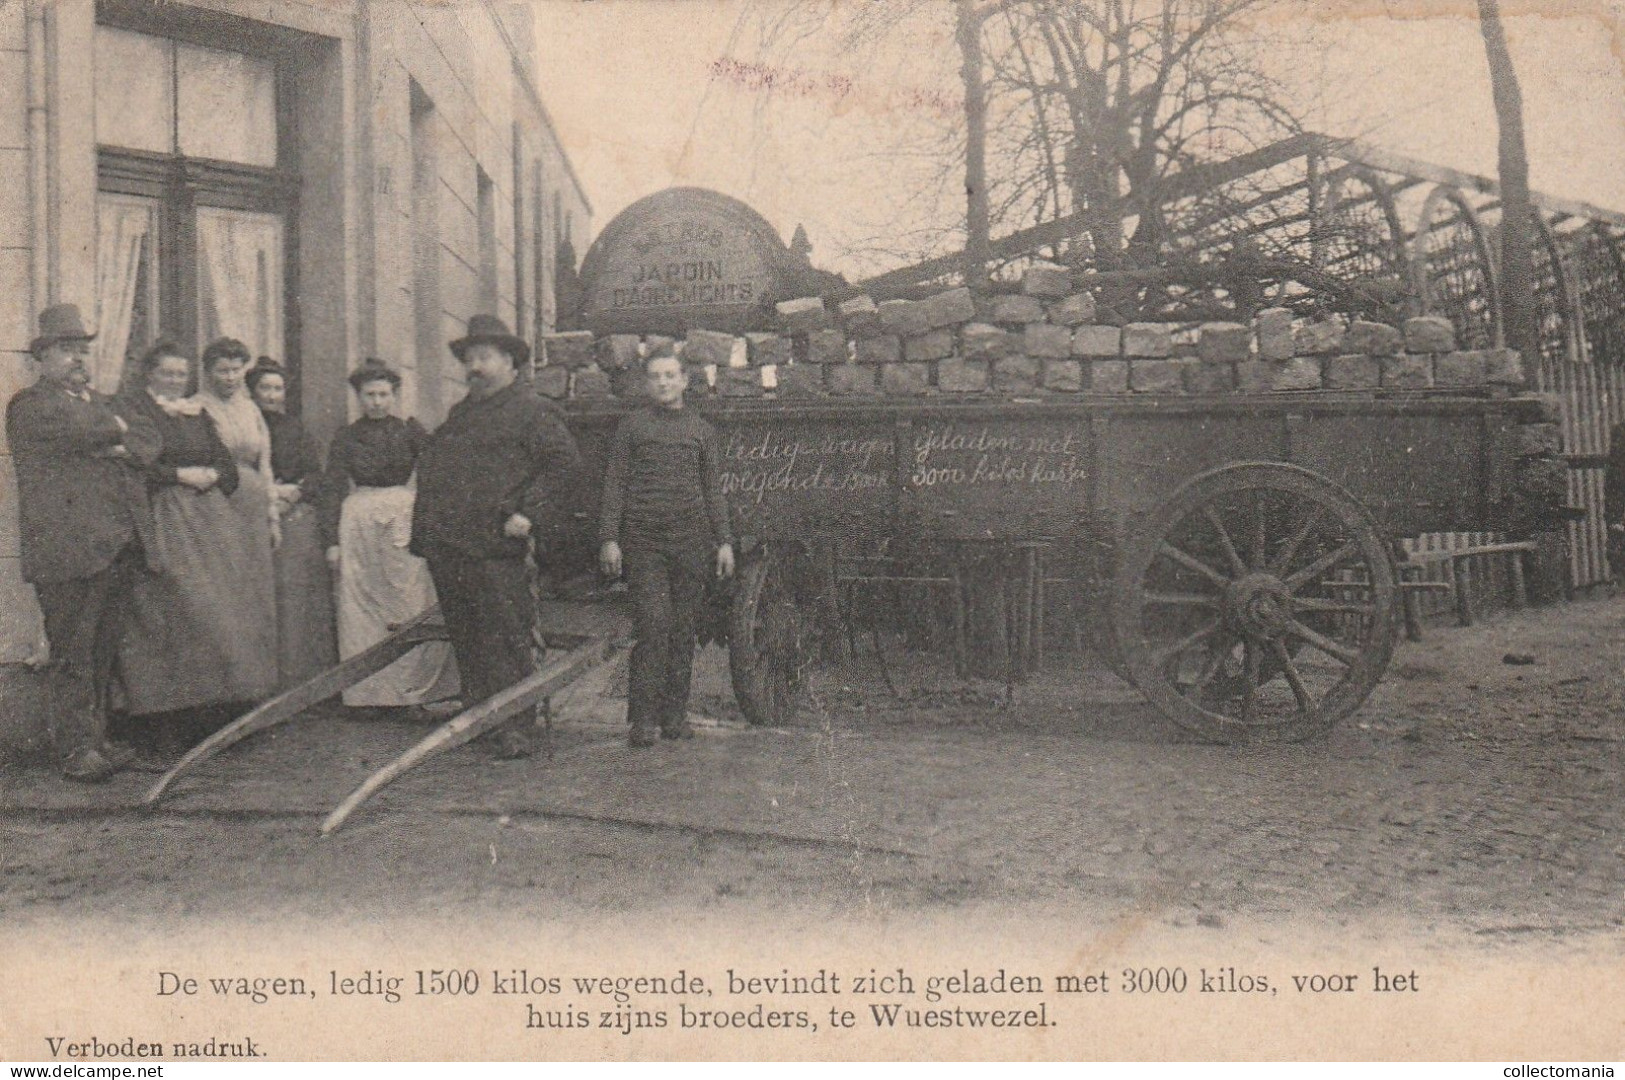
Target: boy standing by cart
[{"x": 666, "y": 522}]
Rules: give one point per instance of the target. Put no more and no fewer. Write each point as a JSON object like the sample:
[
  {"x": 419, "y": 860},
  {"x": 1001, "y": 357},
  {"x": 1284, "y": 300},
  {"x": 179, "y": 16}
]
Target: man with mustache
[
  {"x": 85, "y": 530},
  {"x": 493, "y": 479}
]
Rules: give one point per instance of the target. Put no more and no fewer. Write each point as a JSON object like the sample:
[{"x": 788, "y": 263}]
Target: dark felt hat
[
  {"x": 490, "y": 330},
  {"x": 58, "y": 323},
  {"x": 373, "y": 369}
]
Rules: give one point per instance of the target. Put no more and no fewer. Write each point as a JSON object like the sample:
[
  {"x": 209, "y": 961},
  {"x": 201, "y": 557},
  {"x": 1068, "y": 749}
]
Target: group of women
[{"x": 273, "y": 567}]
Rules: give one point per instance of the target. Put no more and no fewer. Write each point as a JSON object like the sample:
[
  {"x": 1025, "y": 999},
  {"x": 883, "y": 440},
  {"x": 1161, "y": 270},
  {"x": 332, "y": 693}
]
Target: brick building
[{"x": 322, "y": 179}]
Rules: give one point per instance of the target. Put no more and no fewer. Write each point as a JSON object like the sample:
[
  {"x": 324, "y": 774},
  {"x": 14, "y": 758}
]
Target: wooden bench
[{"x": 1412, "y": 567}]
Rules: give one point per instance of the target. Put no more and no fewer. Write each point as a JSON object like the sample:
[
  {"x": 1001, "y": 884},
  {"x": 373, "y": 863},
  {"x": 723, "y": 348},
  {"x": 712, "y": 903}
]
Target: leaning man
[
  {"x": 493, "y": 479},
  {"x": 85, "y": 530}
]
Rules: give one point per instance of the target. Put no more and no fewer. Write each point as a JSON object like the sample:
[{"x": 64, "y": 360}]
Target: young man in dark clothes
[
  {"x": 500, "y": 472},
  {"x": 664, "y": 516}
]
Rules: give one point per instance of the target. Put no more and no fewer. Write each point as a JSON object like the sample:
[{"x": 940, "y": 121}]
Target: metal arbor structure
[{"x": 1323, "y": 225}]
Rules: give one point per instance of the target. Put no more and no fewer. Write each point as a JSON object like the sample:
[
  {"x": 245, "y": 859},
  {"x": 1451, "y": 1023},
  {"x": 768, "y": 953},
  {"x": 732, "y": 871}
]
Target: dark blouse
[
  {"x": 295, "y": 457},
  {"x": 188, "y": 441},
  {"x": 368, "y": 453}
]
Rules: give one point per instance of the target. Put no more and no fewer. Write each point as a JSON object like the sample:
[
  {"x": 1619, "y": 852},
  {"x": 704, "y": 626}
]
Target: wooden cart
[{"x": 1233, "y": 559}]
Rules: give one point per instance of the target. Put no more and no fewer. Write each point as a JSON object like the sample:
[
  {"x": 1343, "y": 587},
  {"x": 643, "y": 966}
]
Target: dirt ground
[{"x": 1469, "y": 796}]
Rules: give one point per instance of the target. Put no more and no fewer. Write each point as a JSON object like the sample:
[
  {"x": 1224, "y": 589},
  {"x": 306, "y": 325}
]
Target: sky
[{"x": 649, "y": 94}]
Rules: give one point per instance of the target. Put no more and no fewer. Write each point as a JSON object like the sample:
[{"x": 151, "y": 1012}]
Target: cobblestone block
[
  {"x": 617, "y": 351},
  {"x": 1063, "y": 376},
  {"x": 1225, "y": 341},
  {"x": 851, "y": 379},
  {"x": 905, "y": 380},
  {"x": 1047, "y": 282},
  {"x": 1465, "y": 368},
  {"x": 1097, "y": 341},
  {"x": 984, "y": 341},
  {"x": 886, "y": 349},
  {"x": 1353, "y": 371},
  {"x": 1146, "y": 376},
  {"x": 802, "y": 315},
  {"x": 1299, "y": 373},
  {"x": 1075, "y": 310},
  {"x": 1505, "y": 367},
  {"x": 860, "y": 316},
  {"x": 1017, "y": 310},
  {"x": 1108, "y": 376},
  {"x": 575, "y": 349},
  {"x": 708, "y": 347},
  {"x": 553, "y": 382},
  {"x": 956, "y": 376},
  {"x": 1015, "y": 374},
  {"x": 1273, "y": 327},
  {"x": 1210, "y": 376},
  {"x": 1148, "y": 340},
  {"x": 742, "y": 382},
  {"x": 827, "y": 347},
  {"x": 768, "y": 349},
  {"x": 1041, "y": 339},
  {"x": 1256, "y": 376},
  {"x": 590, "y": 382},
  {"x": 1373, "y": 339},
  {"x": 659, "y": 345},
  {"x": 933, "y": 345},
  {"x": 1318, "y": 338},
  {"x": 1429, "y": 334},
  {"x": 801, "y": 381},
  {"x": 1409, "y": 372}
]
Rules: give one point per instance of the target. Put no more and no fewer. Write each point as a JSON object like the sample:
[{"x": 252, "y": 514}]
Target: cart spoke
[
  {"x": 1190, "y": 562},
  {"x": 1249, "y": 694},
  {"x": 1230, "y": 552},
  {"x": 1297, "y": 580},
  {"x": 1316, "y": 603},
  {"x": 1184, "y": 599},
  {"x": 1211, "y": 667},
  {"x": 1294, "y": 679},
  {"x": 1258, "y": 530},
  {"x": 1185, "y": 644},
  {"x": 1283, "y": 558},
  {"x": 1334, "y": 649}
]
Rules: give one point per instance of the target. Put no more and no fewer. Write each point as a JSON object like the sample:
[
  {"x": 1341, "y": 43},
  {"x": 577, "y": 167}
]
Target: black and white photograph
[{"x": 634, "y": 530}]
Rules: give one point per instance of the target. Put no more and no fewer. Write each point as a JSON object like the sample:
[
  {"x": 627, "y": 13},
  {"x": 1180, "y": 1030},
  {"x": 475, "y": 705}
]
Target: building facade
[{"x": 323, "y": 180}]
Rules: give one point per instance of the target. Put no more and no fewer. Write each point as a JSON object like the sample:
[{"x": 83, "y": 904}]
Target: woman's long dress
[
  {"x": 185, "y": 643},
  {"x": 366, "y": 509},
  {"x": 306, "y": 642},
  {"x": 242, "y": 429}
]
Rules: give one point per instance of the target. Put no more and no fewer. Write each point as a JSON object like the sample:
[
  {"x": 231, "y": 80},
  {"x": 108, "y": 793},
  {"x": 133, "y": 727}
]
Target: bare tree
[
  {"x": 1077, "y": 107},
  {"x": 1517, "y": 285}
]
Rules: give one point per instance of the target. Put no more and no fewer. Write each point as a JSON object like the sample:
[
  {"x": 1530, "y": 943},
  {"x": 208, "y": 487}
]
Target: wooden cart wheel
[
  {"x": 769, "y": 640},
  {"x": 1256, "y": 604}
]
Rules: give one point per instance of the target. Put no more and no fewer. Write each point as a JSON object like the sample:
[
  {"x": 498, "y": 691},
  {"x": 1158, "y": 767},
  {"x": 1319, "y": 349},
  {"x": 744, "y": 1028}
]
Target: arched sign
[{"x": 681, "y": 259}]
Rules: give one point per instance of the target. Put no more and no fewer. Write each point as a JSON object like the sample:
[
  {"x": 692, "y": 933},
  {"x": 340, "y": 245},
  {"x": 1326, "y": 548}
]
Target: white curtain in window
[
  {"x": 240, "y": 278},
  {"x": 123, "y": 228}
]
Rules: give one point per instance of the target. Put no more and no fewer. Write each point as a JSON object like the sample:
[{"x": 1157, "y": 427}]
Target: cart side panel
[
  {"x": 972, "y": 478},
  {"x": 810, "y": 478},
  {"x": 1145, "y": 458},
  {"x": 1416, "y": 474}
]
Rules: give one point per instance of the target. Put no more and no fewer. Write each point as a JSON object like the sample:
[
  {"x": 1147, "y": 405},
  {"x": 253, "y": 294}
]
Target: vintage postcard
[{"x": 790, "y": 529}]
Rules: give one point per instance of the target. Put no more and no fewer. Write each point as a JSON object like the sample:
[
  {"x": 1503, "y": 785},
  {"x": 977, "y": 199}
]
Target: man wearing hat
[
  {"x": 497, "y": 476},
  {"x": 85, "y": 528}
]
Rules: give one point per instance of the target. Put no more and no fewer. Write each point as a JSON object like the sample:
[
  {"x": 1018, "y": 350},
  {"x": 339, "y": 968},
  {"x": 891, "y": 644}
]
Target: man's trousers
[
  {"x": 83, "y": 619},
  {"x": 668, "y": 588},
  {"x": 490, "y": 614}
]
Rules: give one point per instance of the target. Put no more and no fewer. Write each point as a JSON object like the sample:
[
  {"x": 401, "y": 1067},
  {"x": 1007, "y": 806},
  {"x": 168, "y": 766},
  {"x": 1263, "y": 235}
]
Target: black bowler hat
[
  {"x": 490, "y": 330},
  {"x": 59, "y": 323}
]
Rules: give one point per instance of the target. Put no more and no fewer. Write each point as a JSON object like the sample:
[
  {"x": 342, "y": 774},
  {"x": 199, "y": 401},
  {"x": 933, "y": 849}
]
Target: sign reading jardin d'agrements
[{"x": 683, "y": 259}]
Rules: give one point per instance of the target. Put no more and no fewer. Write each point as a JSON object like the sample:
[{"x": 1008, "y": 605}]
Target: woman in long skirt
[
  {"x": 187, "y": 641},
  {"x": 237, "y": 420},
  {"x": 366, "y": 515},
  {"x": 306, "y": 645}
]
